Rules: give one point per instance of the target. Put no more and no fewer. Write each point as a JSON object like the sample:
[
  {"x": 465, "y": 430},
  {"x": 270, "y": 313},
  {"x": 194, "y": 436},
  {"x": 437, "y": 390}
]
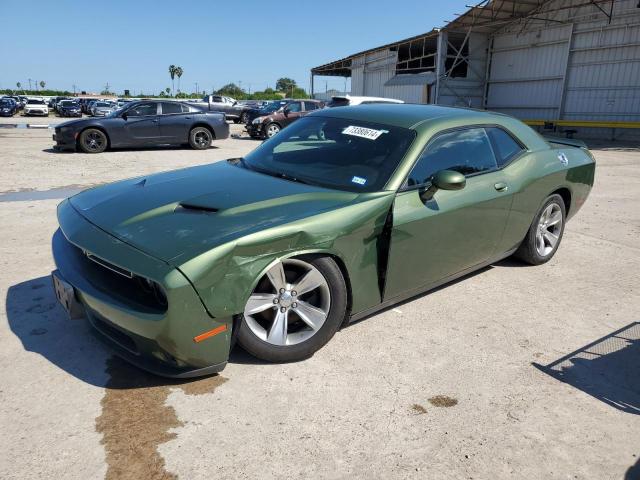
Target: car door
[
  {"x": 174, "y": 122},
  {"x": 439, "y": 233},
  {"x": 142, "y": 124},
  {"x": 291, "y": 113}
]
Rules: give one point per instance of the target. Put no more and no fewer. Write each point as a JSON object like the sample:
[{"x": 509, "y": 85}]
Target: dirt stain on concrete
[
  {"x": 418, "y": 409},
  {"x": 443, "y": 401},
  {"x": 135, "y": 419}
]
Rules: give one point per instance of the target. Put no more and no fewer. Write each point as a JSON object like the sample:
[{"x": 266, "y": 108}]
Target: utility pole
[
  {"x": 29, "y": 84},
  {"x": 197, "y": 90},
  {"x": 106, "y": 87},
  {"x": 74, "y": 89}
]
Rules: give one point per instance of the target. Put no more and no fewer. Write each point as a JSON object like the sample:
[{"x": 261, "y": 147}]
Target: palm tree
[
  {"x": 18, "y": 84},
  {"x": 179, "y": 73},
  {"x": 42, "y": 84},
  {"x": 172, "y": 74},
  {"x": 168, "y": 90}
]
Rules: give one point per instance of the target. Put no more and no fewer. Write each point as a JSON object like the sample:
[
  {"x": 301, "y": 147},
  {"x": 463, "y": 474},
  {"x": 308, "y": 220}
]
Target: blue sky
[{"x": 130, "y": 44}]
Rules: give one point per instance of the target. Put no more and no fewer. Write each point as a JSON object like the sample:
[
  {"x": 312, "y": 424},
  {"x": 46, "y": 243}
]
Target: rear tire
[
  {"x": 200, "y": 138},
  {"x": 545, "y": 233},
  {"x": 93, "y": 140},
  {"x": 309, "y": 319}
]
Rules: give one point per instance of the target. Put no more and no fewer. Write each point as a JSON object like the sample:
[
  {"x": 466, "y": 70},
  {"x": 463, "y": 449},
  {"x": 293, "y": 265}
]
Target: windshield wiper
[{"x": 284, "y": 176}]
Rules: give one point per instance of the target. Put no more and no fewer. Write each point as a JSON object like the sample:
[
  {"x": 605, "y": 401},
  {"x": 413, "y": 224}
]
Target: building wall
[
  {"x": 469, "y": 91},
  {"x": 584, "y": 69},
  {"x": 369, "y": 73}
]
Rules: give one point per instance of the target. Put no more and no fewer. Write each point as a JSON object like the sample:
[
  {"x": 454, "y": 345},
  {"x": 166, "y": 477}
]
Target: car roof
[
  {"x": 365, "y": 99},
  {"x": 406, "y": 115}
]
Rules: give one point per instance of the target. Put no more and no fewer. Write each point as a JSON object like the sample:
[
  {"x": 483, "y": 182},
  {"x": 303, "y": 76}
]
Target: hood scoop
[{"x": 194, "y": 207}]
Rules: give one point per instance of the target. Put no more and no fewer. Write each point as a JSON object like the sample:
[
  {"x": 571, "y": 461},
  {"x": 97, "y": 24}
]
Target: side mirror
[
  {"x": 125, "y": 115},
  {"x": 286, "y": 111},
  {"x": 449, "y": 180}
]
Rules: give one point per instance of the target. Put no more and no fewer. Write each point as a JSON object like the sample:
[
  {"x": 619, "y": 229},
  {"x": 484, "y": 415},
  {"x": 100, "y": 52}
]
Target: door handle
[
  {"x": 501, "y": 187},
  {"x": 187, "y": 118},
  {"x": 155, "y": 121}
]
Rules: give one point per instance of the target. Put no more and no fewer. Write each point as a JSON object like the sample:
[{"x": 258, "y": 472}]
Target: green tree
[
  {"x": 172, "y": 74},
  {"x": 285, "y": 84},
  {"x": 168, "y": 90},
  {"x": 179, "y": 73},
  {"x": 42, "y": 84},
  {"x": 232, "y": 90},
  {"x": 18, "y": 84}
]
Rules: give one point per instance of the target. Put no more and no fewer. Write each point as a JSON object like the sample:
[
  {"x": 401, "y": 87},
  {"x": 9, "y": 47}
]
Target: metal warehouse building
[{"x": 565, "y": 65}]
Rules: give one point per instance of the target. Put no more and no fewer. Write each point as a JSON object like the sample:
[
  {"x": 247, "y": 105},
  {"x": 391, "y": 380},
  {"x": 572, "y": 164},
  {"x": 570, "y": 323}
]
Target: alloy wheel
[
  {"x": 272, "y": 130},
  {"x": 202, "y": 138},
  {"x": 94, "y": 141},
  {"x": 290, "y": 303},
  {"x": 549, "y": 229}
]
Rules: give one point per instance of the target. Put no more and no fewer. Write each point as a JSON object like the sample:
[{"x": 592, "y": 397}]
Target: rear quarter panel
[{"x": 538, "y": 174}]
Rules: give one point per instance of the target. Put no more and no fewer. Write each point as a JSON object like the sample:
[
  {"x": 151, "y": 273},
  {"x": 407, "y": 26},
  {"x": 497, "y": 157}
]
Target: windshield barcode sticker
[
  {"x": 359, "y": 180},
  {"x": 363, "y": 132}
]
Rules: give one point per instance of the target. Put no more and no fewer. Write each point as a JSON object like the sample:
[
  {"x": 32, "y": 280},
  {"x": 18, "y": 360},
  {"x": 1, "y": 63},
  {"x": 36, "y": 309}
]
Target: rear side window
[
  {"x": 308, "y": 106},
  {"x": 295, "y": 107},
  {"x": 504, "y": 146},
  {"x": 466, "y": 151},
  {"x": 169, "y": 108}
]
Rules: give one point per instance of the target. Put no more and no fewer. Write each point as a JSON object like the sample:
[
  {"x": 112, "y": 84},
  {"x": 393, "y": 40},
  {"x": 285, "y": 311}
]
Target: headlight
[{"x": 256, "y": 121}]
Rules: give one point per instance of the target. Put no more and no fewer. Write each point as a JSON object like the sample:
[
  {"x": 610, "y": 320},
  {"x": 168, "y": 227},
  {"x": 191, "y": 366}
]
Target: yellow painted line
[{"x": 583, "y": 123}]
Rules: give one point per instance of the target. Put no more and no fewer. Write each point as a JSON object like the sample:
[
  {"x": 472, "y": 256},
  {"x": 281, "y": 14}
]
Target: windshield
[
  {"x": 67, "y": 103},
  {"x": 6, "y": 102},
  {"x": 272, "y": 107},
  {"x": 35, "y": 102},
  {"x": 343, "y": 154},
  {"x": 103, "y": 104}
]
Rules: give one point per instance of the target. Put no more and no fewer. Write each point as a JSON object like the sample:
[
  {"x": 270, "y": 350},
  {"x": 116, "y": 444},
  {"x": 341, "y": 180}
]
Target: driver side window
[
  {"x": 466, "y": 151},
  {"x": 294, "y": 107},
  {"x": 143, "y": 110}
]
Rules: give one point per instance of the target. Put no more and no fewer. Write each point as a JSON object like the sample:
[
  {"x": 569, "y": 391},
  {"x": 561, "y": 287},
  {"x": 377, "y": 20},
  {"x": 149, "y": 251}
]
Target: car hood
[
  {"x": 74, "y": 123},
  {"x": 176, "y": 216}
]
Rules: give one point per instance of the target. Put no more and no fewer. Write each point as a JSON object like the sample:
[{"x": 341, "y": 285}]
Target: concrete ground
[{"x": 512, "y": 372}]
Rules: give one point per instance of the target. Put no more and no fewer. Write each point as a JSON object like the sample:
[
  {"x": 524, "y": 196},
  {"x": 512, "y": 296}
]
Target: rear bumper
[{"x": 155, "y": 337}]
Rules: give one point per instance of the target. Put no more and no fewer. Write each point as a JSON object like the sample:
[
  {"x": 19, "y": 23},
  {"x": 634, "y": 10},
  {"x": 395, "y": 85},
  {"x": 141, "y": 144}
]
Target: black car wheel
[
  {"x": 545, "y": 233},
  {"x": 200, "y": 138},
  {"x": 294, "y": 310},
  {"x": 244, "y": 117},
  {"x": 93, "y": 141}
]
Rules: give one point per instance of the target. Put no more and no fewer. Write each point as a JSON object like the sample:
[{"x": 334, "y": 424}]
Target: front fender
[{"x": 225, "y": 276}]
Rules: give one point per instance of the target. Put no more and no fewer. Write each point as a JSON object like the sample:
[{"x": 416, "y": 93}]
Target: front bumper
[
  {"x": 65, "y": 140},
  {"x": 255, "y": 130},
  {"x": 36, "y": 112},
  {"x": 156, "y": 337}
]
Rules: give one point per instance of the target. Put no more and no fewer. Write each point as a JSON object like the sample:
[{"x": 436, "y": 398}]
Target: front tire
[
  {"x": 271, "y": 130},
  {"x": 294, "y": 310},
  {"x": 93, "y": 140},
  {"x": 545, "y": 233},
  {"x": 244, "y": 117},
  {"x": 200, "y": 138}
]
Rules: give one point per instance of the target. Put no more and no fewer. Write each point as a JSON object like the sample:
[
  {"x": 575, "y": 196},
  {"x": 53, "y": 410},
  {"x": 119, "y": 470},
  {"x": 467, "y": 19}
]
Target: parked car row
[{"x": 267, "y": 121}]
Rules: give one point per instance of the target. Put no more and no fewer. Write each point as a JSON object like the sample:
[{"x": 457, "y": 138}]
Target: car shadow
[
  {"x": 42, "y": 325},
  {"x": 606, "y": 369},
  {"x": 136, "y": 149}
]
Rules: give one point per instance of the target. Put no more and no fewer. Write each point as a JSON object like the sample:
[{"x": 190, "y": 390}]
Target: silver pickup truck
[{"x": 227, "y": 105}]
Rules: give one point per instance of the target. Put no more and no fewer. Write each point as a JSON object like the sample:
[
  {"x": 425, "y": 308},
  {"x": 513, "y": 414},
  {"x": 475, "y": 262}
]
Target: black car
[
  {"x": 142, "y": 124},
  {"x": 69, "y": 108},
  {"x": 8, "y": 107}
]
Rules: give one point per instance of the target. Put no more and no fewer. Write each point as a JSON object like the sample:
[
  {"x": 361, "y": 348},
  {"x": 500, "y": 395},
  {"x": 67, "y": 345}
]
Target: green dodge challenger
[{"x": 343, "y": 213}]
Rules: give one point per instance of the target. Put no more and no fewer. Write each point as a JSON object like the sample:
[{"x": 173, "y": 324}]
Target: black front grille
[{"x": 129, "y": 289}]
